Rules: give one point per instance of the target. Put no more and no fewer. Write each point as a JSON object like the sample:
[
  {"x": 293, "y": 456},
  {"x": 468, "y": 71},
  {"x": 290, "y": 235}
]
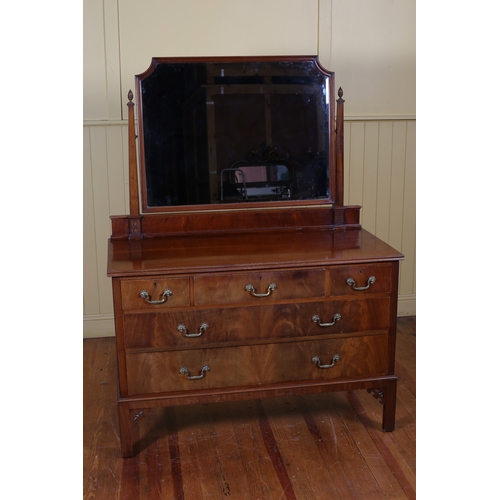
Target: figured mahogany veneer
[
  {"x": 234, "y": 302},
  {"x": 257, "y": 364},
  {"x": 159, "y": 330},
  {"x": 254, "y": 346},
  {"x": 223, "y": 288},
  {"x": 131, "y": 290}
]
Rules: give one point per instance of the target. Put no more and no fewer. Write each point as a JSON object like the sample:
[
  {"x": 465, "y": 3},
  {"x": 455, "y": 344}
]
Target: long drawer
[
  {"x": 198, "y": 327},
  {"x": 351, "y": 357}
]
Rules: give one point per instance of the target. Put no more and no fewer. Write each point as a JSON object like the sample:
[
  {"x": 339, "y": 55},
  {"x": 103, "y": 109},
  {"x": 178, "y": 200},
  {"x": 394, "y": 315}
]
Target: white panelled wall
[
  {"x": 121, "y": 36},
  {"x": 380, "y": 176}
]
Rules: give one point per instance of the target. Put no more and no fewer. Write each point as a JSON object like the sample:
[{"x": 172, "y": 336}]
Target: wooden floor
[{"x": 323, "y": 446}]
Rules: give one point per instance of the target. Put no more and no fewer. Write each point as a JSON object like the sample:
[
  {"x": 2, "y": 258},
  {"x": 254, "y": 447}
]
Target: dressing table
[{"x": 239, "y": 272}]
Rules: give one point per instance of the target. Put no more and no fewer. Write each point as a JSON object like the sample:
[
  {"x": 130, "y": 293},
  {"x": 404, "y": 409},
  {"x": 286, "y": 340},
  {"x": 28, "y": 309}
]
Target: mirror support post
[
  {"x": 339, "y": 149},
  {"x": 135, "y": 220},
  {"x": 344, "y": 217}
]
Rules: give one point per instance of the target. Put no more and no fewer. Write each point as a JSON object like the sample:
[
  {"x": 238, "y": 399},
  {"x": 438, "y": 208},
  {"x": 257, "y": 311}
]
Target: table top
[{"x": 212, "y": 252}]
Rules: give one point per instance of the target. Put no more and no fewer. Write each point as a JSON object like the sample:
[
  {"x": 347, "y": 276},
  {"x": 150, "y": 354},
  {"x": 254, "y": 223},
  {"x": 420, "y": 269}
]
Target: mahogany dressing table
[{"x": 239, "y": 272}]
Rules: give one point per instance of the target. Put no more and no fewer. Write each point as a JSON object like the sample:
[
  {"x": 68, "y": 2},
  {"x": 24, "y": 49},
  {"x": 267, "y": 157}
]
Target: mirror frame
[{"x": 335, "y": 194}]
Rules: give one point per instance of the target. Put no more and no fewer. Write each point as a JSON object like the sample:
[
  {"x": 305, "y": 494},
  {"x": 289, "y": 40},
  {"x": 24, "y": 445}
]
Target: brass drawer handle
[
  {"x": 145, "y": 295},
  {"x": 315, "y": 359},
  {"x": 351, "y": 282},
  {"x": 185, "y": 371},
  {"x": 183, "y": 330},
  {"x": 316, "y": 319},
  {"x": 270, "y": 288}
]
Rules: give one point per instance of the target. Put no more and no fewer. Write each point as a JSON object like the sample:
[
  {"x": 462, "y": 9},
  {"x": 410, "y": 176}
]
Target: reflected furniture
[{"x": 239, "y": 273}]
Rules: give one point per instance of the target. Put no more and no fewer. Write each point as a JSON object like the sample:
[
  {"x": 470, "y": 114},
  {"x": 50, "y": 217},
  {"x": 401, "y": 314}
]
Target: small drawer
[
  {"x": 257, "y": 365},
  {"x": 154, "y": 293},
  {"x": 259, "y": 287},
  {"x": 362, "y": 279}
]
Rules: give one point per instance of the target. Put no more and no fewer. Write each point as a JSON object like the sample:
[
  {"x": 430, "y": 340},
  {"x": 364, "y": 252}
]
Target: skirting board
[
  {"x": 102, "y": 325},
  {"x": 98, "y": 325},
  {"x": 407, "y": 305}
]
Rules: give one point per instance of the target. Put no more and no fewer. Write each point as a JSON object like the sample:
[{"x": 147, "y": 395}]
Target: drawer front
[
  {"x": 362, "y": 279},
  {"x": 195, "y": 328},
  {"x": 158, "y": 293},
  {"x": 257, "y": 365},
  {"x": 326, "y": 317},
  {"x": 258, "y": 287},
  {"x": 182, "y": 328}
]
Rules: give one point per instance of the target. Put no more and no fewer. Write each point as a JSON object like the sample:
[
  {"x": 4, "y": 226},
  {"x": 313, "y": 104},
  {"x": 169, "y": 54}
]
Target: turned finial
[
  {"x": 130, "y": 104},
  {"x": 341, "y": 92}
]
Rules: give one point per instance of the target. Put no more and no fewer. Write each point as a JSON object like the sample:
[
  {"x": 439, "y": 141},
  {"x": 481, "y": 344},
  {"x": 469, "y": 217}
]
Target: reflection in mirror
[
  {"x": 255, "y": 182},
  {"x": 219, "y": 132}
]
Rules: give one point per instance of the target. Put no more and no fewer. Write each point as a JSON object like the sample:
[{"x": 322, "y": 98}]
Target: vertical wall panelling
[
  {"x": 379, "y": 150},
  {"x": 100, "y": 188},
  {"x": 90, "y": 273},
  {"x": 105, "y": 165},
  {"x": 356, "y": 164},
  {"x": 347, "y": 162},
  {"x": 409, "y": 213},
  {"x": 370, "y": 168},
  {"x": 397, "y": 184},
  {"x": 383, "y": 187},
  {"x": 380, "y": 176},
  {"x": 117, "y": 172},
  {"x": 125, "y": 186}
]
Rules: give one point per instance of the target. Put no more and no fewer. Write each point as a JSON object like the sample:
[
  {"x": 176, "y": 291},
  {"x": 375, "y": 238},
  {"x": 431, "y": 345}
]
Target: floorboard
[{"x": 322, "y": 446}]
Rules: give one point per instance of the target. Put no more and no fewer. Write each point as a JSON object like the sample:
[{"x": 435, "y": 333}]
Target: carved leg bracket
[
  {"x": 137, "y": 415},
  {"x": 129, "y": 427},
  {"x": 378, "y": 394}
]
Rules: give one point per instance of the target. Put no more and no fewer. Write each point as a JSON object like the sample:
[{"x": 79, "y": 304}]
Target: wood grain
[
  {"x": 131, "y": 290},
  {"x": 257, "y": 365},
  {"x": 307, "y": 447},
  {"x": 181, "y": 254},
  {"x": 257, "y": 323},
  {"x": 231, "y": 288},
  {"x": 360, "y": 274}
]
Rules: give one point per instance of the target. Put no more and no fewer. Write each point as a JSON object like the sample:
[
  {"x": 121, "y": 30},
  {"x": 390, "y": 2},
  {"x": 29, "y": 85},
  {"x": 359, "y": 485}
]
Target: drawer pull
[
  {"x": 185, "y": 371},
  {"x": 351, "y": 282},
  {"x": 270, "y": 288},
  {"x": 316, "y": 360},
  {"x": 183, "y": 330},
  {"x": 316, "y": 319},
  {"x": 145, "y": 295}
]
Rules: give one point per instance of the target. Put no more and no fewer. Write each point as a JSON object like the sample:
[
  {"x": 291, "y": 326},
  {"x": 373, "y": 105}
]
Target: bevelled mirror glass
[{"x": 231, "y": 131}]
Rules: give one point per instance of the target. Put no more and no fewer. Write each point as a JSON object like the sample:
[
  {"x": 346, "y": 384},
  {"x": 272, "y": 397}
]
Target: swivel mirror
[{"x": 218, "y": 131}]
